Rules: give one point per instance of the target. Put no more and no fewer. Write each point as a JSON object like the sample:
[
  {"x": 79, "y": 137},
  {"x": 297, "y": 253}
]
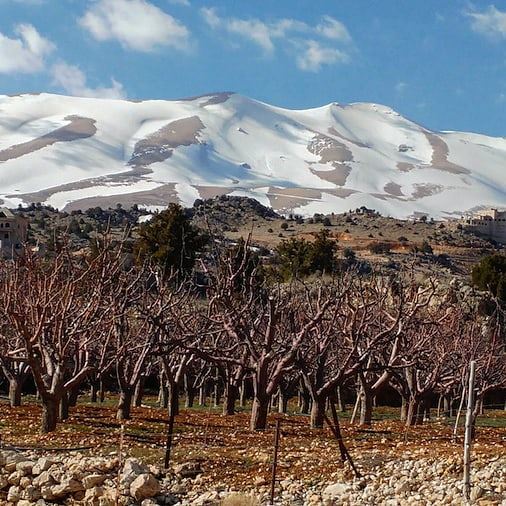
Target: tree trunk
[
  {"x": 216, "y": 391},
  {"x": 139, "y": 392},
  {"x": 282, "y": 401},
  {"x": 366, "y": 405},
  {"x": 73, "y": 396},
  {"x": 341, "y": 406},
  {"x": 404, "y": 409},
  {"x": 242, "y": 394},
  {"x": 415, "y": 412},
  {"x": 94, "y": 392},
  {"x": 189, "y": 392},
  {"x": 124, "y": 404},
  {"x": 49, "y": 415},
  {"x": 64, "y": 406},
  {"x": 447, "y": 406},
  {"x": 163, "y": 396},
  {"x": 259, "y": 413},
  {"x": 202, "y": 395},
  {"x": 101, "y": 391},
  {"x": 230, "y": 398},
  {"x": 318, "y": 412},
  {"x": 15, "y": 389},
  {"x": 173, "y": 401},
  {"x": 305, "y": 402}
]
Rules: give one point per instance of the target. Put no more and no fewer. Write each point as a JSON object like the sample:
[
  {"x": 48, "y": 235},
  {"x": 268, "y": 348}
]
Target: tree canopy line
[{"x": 90, "y": 322}]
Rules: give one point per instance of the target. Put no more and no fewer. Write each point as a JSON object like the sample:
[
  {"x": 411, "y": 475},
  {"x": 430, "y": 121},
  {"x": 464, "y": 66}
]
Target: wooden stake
[
  {"x": 336, "y": 430},
  {"x": 469, "y": 432},
  {"x": 170, "y": 431},
  {"x": 275, "y": 459},
  {"x": 120, "y": 464},
  {"x": 459, "y": 411}
]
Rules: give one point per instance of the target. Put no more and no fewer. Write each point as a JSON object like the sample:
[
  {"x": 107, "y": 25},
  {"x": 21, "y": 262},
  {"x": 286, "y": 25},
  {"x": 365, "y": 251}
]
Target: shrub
[
  {"x": 402, "y": 239},
  {"x": 380, "y": 248},
  {"x": 284, "y": 225},
  {"x": 300, "y": 258},
  {"x": 349, "y": 254},
  {"x": 326, "y": 222},
  {"x": 426, "y": 248},
  {"x": 490, "y": 274}
]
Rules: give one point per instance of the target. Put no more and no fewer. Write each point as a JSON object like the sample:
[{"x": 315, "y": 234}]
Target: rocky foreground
[{"x": 75, "y": 479}]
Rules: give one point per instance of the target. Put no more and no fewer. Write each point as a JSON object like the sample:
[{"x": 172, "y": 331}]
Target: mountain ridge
[{"x": 74, "y": 152}]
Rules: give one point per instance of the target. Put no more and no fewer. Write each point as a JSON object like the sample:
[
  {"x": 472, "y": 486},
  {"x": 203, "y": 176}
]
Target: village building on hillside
[
  {"x": 13, "y": 233},
  {"x": 489, "y": 223}
]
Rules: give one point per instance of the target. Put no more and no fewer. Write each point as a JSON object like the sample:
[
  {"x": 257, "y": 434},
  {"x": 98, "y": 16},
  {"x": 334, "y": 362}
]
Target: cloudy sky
[{"x": 443, "y": 64}]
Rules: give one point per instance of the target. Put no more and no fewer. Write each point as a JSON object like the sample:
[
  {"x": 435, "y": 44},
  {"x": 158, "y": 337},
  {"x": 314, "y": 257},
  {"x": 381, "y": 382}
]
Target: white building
[{"x": 490, "y": 223}]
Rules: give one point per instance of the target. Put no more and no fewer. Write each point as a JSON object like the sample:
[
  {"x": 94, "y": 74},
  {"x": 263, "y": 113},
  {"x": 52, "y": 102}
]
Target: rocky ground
[
  {"x": 27, "y": 478},
  {"x": 217, "y": 460}
]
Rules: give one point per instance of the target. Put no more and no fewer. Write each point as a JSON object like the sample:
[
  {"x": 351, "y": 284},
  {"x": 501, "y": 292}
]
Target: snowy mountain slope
[{"x": 78, "y": 152}]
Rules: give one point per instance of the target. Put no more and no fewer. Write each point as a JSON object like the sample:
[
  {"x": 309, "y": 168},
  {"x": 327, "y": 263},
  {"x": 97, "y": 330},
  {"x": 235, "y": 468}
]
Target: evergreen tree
[
  {"x": 170, "y": 240},
  {"x": 490, "y": 274}
]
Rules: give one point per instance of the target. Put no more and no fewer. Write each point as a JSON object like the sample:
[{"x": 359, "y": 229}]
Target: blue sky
[{"x": 440, "y": 63}]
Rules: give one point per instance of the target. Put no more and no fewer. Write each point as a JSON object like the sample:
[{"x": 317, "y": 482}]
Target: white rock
[
  {"x": 43, "y": 464},
  {"x": 144, "y": 486},
  {"x": 335, "y": 491},
  {"x": 14, "y": 494},
  {"x": 93, "y": 480},
  {"x": 43, "y": 479},
  {"x": 25, "y": 467}
]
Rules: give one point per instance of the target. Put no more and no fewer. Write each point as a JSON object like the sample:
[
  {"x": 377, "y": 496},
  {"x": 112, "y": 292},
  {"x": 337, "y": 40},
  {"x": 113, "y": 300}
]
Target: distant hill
[{"x": 77, "y": 153}]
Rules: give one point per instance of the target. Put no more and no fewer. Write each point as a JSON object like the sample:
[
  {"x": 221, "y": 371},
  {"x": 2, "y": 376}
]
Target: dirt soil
[{"x": 231, "y": 454}]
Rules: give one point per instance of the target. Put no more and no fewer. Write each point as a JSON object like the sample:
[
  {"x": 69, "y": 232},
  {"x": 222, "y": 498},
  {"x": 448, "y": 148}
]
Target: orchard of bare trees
[{"x": 75, "y": 325}]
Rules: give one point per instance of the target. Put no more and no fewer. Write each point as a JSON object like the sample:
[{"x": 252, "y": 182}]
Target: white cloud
[
  {"x": 73, "y": 80},
  {"x": 490, "y": 22},
  {"x": 314, "y": 56},
  {"x": 26, "y": 53},
  {"x": 255, "y": 30},
  {"x": 211, "y": 17},
  {"x": 136, "y": 24},
  {"x": 333, "y": 29}
]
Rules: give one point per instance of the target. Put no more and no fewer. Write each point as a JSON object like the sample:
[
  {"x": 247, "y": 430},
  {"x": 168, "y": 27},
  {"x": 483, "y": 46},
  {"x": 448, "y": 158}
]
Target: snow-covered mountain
[{"x": 81, "y": 152}]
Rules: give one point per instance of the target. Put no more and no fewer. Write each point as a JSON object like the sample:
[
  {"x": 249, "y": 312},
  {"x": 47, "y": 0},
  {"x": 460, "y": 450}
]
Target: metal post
[
  {"x": 275, "y": 459},
  {"x": 469, "y": 432}
]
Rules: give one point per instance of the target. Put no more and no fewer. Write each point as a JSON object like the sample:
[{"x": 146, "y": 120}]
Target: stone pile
[{"x": 72, "y": 479}]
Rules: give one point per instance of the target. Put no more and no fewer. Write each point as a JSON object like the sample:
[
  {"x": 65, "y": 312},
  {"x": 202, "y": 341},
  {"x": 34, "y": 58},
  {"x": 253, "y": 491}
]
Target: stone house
[
  {"x": 489, "y": 223},
  {"x": 13, "y": 232}
]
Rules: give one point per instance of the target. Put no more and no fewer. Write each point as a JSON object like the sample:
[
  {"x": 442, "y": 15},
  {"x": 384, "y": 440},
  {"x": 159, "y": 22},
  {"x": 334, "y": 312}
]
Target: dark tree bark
[
  {"x": 259, "y": 413},
  {"x": 49, "y": 415},
  {"x": 231, "y": 394},
  {"x": 124, "y": 405},
  {"x": 15, "y": 391}
]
